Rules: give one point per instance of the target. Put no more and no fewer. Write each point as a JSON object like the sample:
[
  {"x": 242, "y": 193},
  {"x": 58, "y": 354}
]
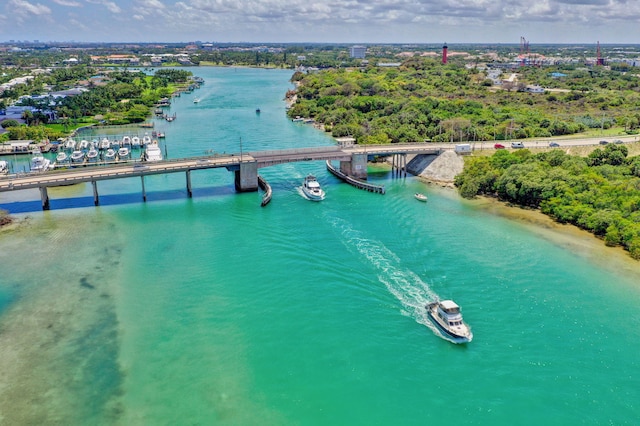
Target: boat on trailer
[{"x": 447, "y": 317}]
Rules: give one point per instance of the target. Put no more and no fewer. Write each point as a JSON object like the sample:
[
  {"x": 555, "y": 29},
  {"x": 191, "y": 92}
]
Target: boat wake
[{"x": 407, "y": 287}]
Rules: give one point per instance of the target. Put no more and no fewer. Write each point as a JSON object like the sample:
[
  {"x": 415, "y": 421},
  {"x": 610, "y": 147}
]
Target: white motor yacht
[
  {"x": 146, "y": 140},
  {"x": 104, "y": 144},
  {"x": 92, "y": 155},
  {"x": 135, "y": 142},
  {"x": 39, "y": 163},
  {"x": 77, "y": 157},
  {"x": 311, "y": 188},
  {"x": 447, "y": 317},
  {"x": 153, "y": 152},
  {"x": 110, "y": 155},
  {"x": 62, "y": 159},
  {"x": 4, "y": 167},
  {"x": 123, "y": 153}
]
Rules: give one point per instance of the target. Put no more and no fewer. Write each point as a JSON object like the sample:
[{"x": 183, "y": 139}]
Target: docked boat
[
  {"x": 62, "y": 159},
  {"x": 92, "y": 155},
  {"x": 146, "y": 140},
  {"x": 152, "y": 152},
  {"x": 77, "y": 157},
  {"x": 39, "y": 163},
  {"x": 420, "y": 197},
  {"x": 4, "y": 167},
  {"x": 135, "y": 142},
  {"x": 110, "y": 155},
  {"x": 123, "y": 153},
  {"x": 84, "y": 145},
  {"x": 104, "y": 144},
  {"x": 70, "y": 144},
  {"x": 311, "y": 188},
  {"x": 447, "y": 317}
]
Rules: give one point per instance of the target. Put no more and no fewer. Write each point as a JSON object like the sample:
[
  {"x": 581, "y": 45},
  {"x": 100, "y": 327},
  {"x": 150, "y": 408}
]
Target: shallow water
[{"x": 212, "y": 310}]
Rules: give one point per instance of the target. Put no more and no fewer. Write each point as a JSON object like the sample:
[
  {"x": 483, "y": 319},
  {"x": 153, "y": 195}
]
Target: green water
[{"x": 212, "y": 310}]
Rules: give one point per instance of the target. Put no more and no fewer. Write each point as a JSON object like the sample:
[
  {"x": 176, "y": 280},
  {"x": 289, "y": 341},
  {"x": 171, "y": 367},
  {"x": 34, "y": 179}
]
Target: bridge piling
[
  {"x": 44, "y": 196},
  {"x": 144, "y": 192},
  {"x": 96, "y": 200},
  {"x": 189, "y": 190}
]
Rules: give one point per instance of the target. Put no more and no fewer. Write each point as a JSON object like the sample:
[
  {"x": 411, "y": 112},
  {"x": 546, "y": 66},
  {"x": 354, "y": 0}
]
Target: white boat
[
  {"x": 70, "y": 144},
  {"x": 135, "y": 142},
  {"x": 77, "y": 157},
  {"x": 62, "y": 158},
  {"x": 110, "y": 155},
  {"x": 84, "y": 145},
  {"x": 196, "y": 100},
  {"x": 152, "y": 152},
  {"x": 123, "y": 153},
  {"x": 311, "y": 189},
  {"x": 420, "y": 197},
  {"x": 104, "y": 144},
  {"x": 92, "y": 155},
  {"x": 146, "y": 140},
  {"x": 39, "y": 163},
  {"x": 4, "y": 167},
  {"x": 126, "y": 141},
  {"x": 447, "y": 317}
]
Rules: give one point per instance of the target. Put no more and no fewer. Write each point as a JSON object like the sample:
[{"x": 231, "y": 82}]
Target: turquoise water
[{"x": 212, "y": 310}]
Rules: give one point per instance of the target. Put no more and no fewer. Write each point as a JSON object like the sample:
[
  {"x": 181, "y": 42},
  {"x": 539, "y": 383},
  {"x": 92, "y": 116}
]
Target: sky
[{"x": 324, "y": 21}]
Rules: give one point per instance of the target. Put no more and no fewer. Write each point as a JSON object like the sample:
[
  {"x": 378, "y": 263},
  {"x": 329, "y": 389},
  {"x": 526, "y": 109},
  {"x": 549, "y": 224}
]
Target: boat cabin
[
  {"x": 450, "y": 307},
  {"x": 449, "y": 313}
]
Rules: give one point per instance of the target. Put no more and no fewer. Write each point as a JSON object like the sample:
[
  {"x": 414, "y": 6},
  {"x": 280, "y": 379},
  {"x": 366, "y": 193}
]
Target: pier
[{"x": 353, "y": 168}]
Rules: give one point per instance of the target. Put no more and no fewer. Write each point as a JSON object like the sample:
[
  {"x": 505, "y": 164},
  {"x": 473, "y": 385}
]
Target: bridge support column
[
  {"x": 96, "y": 200},
  {"x": 246, "y": 179},
  {"x": 399, "y": 165},
  {"x": 356, "y": 168},
  {"x": 144, "y": 192},
  {"x": 44, "y": 196},
  {"x": 189, "y": 191}
]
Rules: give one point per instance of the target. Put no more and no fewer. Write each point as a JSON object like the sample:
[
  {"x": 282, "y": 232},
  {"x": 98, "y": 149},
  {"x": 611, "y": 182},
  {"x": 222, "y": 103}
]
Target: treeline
[
  {"x": 126, "y": 97},
  {"x": 599, "y": 193},
  {"x": 425, "y": 100}
]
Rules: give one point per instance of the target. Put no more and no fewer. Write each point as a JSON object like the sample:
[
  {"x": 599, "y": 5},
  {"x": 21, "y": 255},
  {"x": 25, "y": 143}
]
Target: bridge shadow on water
[{"x": 30, "y": 206}]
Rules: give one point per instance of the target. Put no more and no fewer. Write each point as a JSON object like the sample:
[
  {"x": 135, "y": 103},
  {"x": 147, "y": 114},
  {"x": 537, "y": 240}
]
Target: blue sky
[{"x": 331, "y": 21}]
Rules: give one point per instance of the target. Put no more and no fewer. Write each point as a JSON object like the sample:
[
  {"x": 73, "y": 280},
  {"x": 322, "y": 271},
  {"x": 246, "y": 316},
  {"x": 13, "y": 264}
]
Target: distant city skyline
[{"x": 331, "y": 21}]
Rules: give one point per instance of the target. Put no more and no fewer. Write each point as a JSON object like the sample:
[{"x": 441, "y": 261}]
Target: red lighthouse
[{"x": 444, "y": 53}]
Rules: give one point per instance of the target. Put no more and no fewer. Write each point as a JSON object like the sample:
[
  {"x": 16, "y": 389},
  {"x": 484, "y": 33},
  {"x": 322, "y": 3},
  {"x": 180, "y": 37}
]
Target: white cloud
[
  {"x": 68, "y": 3},
  {"x": 23, "y": 7}
]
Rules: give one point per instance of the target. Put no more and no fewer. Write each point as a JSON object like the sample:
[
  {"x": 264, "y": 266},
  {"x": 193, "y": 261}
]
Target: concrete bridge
[{"x": 353, "y": 163}]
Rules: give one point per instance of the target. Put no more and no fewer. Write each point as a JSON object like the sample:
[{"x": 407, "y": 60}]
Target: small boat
[
  {"x": 62, "y": 159},
  {"x": 311, "y": 189},
  {"x": 104, "y": 144},
  {"x": 257, "y": 110},
  {"x": 146, "y": 140},
  {"x": 4, "y": 167},
  {"x": 84, "y": 145},
  {"x": 123, "y": 153},
  {"x": 110, "y": 155},
  {"x": 135, "y": 142},
  {"x": 77, "y": 157},
  {"x": 196, "y": 100},
  {"x": 92, "y": 155},
  {"x": 447, "y": 317},
  {"x": 39, "y": 163},
  {"x": 153, "y": 152},
  {"x": 70, "y": 144},
  {"x": 420, "y": 197}
]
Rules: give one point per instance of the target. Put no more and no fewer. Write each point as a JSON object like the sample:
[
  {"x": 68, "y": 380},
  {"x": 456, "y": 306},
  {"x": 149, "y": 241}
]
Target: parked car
[
  {"x": 604, "y": 142},
  {"x": 618, "y": 141},
  {"x": 498, "y": 146},
  {"x": 554, "y": 144},
  {"x": 517, "y": 145}
]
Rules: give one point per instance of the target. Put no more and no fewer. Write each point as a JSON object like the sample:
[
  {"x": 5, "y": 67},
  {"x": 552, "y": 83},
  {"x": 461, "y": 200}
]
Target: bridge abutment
[
  {"x": 44, "y": 197},
  {"x": 246, "y": 178},
  {"x": 356, "y": 168}
]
